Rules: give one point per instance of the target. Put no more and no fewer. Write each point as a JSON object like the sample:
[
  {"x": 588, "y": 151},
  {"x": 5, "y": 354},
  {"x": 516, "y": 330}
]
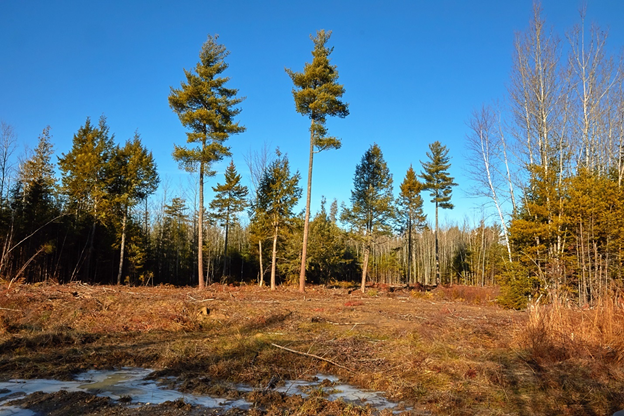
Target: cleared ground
[{"x": 451, "y": 351}]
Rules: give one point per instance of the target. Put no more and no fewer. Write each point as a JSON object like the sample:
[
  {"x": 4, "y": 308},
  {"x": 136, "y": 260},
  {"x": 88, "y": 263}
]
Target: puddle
[
  {"x": 114, "y": 384},
  {"x": 330, "y": 388},
  {"x": 131, "y": 382}
]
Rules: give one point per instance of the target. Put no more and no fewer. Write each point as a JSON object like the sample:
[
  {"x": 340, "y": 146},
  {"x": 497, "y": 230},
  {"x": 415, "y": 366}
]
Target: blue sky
[{"x": 413, "y": 72}]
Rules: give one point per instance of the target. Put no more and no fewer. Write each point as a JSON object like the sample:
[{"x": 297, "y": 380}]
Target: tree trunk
[
  {"x": 307, "y": 218},
  {"x": 261, "y": 268},
  {"x": 273, "y": 259},
  {"x": 437, "y": 254},
  {"x": 123, "y": 245},
  {"x": 365, "y": 267},
  {"x": 409, "y": 251},
  {"x": 225, "y": 253},
  {"x": 90, "y": 250},
  {"x": 200, "y": 231}
]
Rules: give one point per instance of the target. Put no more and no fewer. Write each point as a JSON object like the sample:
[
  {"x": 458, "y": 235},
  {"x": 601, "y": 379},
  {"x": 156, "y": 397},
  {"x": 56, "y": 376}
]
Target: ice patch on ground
[
  {"x": 114, "y": 384},
  {"x": 330, "y": 388},
  {"x": 131, "y": 382}
]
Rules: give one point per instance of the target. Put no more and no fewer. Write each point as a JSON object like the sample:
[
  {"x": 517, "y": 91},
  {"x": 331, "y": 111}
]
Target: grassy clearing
[{"x": 450, "y": 351}]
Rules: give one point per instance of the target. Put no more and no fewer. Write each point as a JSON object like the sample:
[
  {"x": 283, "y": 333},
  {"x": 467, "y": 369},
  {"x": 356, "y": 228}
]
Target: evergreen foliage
[
  {"x": 175, "y": 259},
  {"x": 436, "y": 177},
  {"x": 410, "y": 213},
  {"x": 329, "y": 254},
  {"x": 38, "y": 170},
  {"x": 439, "y": 184},
  {"x": 84, "y": 171},
  {"x": 133, "y": 177},
  {"x": 85, "y": 186},
  {"x": 317, "y": 95},
  {"x": 31, "y": 240},
  {"x": 317, "y": 92},
  {"x": 372, "y": 208},
  {"x": 207, "y": 108},
  {"x": 277, "y": 194},
  {"x": 230, "y": 199}
]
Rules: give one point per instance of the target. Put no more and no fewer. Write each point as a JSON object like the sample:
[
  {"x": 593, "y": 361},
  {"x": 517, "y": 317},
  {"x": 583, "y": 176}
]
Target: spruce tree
[
  {"x": 317, "y": 95},
  {"x": 133, "y": 178},
  {"x": 39, "y": 168},
  {"x": 439, "y": 184},
  {"x": 372, "y": 207},
  {"x": 229, "y": 200},
  {"x": 207, "y": 108},
  {"x": 410, "y": 212},
  {"x": 176, "y": 231},
  {"x": 277, "y": 194},
  {"x": 34, "y": 209},
  {"x": 327, "y": 246},
  {"x": 85, "y": 180}
]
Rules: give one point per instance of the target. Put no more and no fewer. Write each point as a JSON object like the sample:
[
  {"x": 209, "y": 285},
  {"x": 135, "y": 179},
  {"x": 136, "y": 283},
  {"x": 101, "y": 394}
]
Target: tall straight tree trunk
[
  {"x": 415, "y": 267},
  {"x": 437, "y": 253},
  {"x": 146, "y": 238},
  {"x": 123, "y": 245},
  {"x": 307, "y": 217},
  {"x": 225, "y": 251},
  {"x": 90, "y": 250},
  {"x": 200, "y": 231},
  {"x": 273, "y": 259},
  {"x": 409, "y": 251},
  {"x": 261, "y": 268},
  {"x": 365, "y": 267}
]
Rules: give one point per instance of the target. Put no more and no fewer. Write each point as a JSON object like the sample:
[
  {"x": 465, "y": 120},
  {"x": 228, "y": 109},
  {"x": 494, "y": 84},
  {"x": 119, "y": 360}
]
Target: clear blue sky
[{"x": 413, "y": 72}]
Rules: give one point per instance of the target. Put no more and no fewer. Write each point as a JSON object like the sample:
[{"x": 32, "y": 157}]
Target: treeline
[
  {"x": 551, "y": 160},
  {"x": 95, "y": 224}
]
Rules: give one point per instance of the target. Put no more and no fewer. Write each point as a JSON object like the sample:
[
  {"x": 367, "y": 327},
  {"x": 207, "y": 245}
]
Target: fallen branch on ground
[
  {"x": 199, "y": 300},
  {"x": 314, "y": 356}
]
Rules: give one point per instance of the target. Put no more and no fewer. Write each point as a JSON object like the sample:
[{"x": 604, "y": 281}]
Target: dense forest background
[{"x": 549, "y": 156}]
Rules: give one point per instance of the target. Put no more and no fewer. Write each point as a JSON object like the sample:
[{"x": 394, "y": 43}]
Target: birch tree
[
  {"x": 8, "y": 139},
  {"x": 487, "y": 156}
]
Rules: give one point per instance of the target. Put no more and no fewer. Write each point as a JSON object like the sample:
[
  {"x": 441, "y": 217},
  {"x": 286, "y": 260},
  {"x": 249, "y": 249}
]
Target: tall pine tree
[
  {"x": 207, "y": 108},
  {"x": 439, "y": 184},
  {"x": 317, "y": 95}
]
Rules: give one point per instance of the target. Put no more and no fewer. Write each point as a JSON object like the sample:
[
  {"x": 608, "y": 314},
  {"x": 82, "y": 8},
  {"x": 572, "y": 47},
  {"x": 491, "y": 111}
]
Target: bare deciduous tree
[
  {"x": 8, "y": 140},
  {"x": 488, "y": 155}
]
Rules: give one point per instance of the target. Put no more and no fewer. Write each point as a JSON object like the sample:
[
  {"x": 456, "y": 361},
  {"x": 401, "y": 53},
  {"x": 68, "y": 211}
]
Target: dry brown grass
[
  {"x": 556, "y": 333},
  {"x": 448, "y": 351}
]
